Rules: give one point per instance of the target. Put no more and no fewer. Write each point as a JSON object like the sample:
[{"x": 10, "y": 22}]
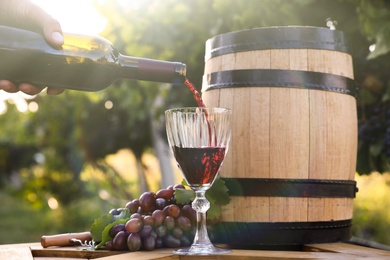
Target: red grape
[
  {"x": 177, "y": 232},
  {"x": 170, "y": 241},
  {"x": 147, "y": 200},
  {"x": 158, "y": 216},
  {"x": 178, "y": 186},
  {"x": 133, "y": 205},
  {"x": 165, "y": 194},
  {"x": 159, "y": 242},
  {"x": 161, "y": 231},
  {"x": 134, "y": 242},
  {"x": 169, "y": 222},
  {"x": 149, "y": 243},
  {"x": 189, "y": 212},
  {"x": 145, "y": 231},
  {"x": 108, "y": 245},
  {"x": 160, "y": 203},
  {"x": 134, "y": 225},
  {"x": 136, "y": 215},
  {"x": 148, "y": 220},
  {"x": 115, "y": 229},
  {"x": 173, "y": 210},
  {"x": 119, "y": 241},
  {"x": 183, "y": 223}
]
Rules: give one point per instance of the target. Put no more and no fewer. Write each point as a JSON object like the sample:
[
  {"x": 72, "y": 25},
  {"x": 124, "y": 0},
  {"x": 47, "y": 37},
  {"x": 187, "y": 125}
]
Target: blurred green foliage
[
  {"x": 22, "y": 222},
  {"x": 371, "y": 217}
]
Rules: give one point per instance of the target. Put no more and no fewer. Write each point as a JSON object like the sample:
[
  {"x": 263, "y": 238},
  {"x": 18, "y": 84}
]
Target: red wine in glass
[{"x": 199, "y": 165}]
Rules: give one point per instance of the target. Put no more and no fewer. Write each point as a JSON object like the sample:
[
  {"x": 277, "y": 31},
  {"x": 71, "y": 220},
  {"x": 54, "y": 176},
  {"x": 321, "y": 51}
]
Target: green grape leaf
[
  {"x": 219, "y": 192},
  {"x": 214, "y": 211},
  {"x": 184, "y": 196},
  {"x": 99, "y": 224},
  {"x": 105, "y": 234},
  {"x": 217, "y": 195},
  {"x": 125, "y": 213}
]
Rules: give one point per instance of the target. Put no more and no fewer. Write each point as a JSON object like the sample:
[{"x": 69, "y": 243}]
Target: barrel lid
[{"x": 284, "y": 37}]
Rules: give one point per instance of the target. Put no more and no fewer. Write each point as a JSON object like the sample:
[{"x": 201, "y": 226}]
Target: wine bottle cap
[{"x": 181, "y": 68}]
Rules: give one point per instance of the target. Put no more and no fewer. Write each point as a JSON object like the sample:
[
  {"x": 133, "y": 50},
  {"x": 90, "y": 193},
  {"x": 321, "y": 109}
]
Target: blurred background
[{"x": 67, "y": 159}]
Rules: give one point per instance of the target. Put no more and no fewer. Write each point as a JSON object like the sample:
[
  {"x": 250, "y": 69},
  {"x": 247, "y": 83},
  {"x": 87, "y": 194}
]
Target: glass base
[{"x": 202, "y": 250}]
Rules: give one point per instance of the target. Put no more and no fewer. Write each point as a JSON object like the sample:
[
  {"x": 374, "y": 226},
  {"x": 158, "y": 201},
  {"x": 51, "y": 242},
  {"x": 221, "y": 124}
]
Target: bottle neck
[{"x": 151, "y": 70}]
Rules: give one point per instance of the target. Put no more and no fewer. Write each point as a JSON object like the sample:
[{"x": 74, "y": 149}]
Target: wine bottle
[{"x": 87, "y": 63}]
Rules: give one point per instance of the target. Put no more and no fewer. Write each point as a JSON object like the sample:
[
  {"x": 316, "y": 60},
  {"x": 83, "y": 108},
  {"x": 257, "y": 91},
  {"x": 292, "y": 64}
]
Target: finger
[
  {"x": 8, "y": 86},
  {"x": 30, "y": 89},
  {"x": 54, "y": 37},
  {"x": 50, "y": 27},
  {"x": 54, "y": 91},
  {"x": 52, "y": 32}
]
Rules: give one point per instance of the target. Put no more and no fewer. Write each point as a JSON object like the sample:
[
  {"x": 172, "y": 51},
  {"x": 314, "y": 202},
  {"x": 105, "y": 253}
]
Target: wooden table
[{"x": 34, "y": 251}]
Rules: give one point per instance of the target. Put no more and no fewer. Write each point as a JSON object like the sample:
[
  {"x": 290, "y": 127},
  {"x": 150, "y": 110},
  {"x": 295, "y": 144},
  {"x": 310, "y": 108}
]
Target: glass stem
[{"x": 201, "y": 205}]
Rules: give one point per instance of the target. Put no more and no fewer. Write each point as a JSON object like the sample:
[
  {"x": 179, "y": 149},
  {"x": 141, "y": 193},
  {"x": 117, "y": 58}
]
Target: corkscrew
[
  {"x": 86, "y": 245},
  {"x": 331, "y": 23}
]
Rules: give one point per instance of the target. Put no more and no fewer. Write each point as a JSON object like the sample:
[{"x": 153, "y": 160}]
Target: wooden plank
[
  {"x": 166, "y": 254},
  {"x": 16, "y": 253},
  {"x": 289, "y": 135},
  {"x": 349, "y": 249},
  {"x": 314, "y": 251},
  {"x": 274, "y": 255},
  {"x": 327, "y": 209},
  {"x": 280, "y": 59},
  {"x": 158, "y": 254},
  {"x": 259, "y": 132},
  {"x": 246, "y": 209},
  {"x": 56, "y": 258},
  {"x": 298, "y": 59},
  {"x": 70, "y": 252},
  {"x": 225, "y": 99},
  {"x": 283, "y": 209}
]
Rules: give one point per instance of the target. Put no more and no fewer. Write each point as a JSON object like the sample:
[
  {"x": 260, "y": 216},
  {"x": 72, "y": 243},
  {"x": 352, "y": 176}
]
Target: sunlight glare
[
  {"x": 19, "y": 99},
  {"x": 108, "y": 104},
  {"x": 33, "y": 106},
  {"x": 52, "y": 203},
  {"x": 75, "y": 16},
  {"x": 372, "y": 47},
  {"x": 3, "y": 106}
]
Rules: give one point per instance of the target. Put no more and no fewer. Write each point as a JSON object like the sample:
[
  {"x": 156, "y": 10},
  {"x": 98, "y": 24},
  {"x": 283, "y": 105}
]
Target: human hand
[{"x": 26, "y": 15}]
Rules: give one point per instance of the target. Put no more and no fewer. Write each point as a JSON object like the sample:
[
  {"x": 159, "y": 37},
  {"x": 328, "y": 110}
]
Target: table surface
[{"x": 34, "y": 251}]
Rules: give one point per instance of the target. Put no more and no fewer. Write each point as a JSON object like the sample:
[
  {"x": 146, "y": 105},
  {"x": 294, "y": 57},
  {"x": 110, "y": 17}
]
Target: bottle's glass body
[{"x": 88, "y": 63}]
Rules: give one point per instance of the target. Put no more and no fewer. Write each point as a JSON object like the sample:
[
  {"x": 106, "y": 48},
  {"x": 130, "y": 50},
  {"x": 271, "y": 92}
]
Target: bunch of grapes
[
  {"x": 156, "y": 221},
  {"x": 374, "y": 128},
  {"x": 371, "y": 127}
]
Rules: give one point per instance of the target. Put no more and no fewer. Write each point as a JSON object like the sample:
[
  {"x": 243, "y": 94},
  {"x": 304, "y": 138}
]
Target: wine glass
[{"x": 199, "y": 139}]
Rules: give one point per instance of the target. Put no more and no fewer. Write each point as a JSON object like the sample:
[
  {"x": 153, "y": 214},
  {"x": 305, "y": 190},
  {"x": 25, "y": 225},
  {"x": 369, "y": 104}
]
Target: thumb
[
  {"x": 52, "y": 32},
  {"x": 46, "y": 24},
  {"x": 27, "y": 15}
]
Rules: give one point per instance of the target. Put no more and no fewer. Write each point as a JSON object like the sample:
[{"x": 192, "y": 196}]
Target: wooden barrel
[{"x": 291, "y": 164}]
